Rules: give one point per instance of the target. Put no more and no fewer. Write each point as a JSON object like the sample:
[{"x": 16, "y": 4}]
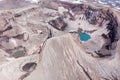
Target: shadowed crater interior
[{"x": 29, "y": 67}]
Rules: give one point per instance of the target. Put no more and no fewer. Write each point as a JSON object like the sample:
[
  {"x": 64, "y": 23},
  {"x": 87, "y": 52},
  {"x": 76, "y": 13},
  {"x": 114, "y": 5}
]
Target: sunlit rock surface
[{"x": 40, "y": 41}]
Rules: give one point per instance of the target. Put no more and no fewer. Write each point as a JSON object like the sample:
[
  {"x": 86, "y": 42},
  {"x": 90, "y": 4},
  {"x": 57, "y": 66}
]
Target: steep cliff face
[{"x": 41, "y": 42}]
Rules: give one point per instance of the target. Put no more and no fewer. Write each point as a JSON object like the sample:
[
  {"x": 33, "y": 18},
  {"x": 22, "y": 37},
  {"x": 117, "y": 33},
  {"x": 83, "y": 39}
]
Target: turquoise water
[{"x": 83, "y": 36}]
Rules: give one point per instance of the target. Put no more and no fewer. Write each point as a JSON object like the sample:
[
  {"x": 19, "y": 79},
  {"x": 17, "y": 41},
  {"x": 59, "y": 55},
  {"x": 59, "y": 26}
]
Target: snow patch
[{"x": 33, "y": 1}]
